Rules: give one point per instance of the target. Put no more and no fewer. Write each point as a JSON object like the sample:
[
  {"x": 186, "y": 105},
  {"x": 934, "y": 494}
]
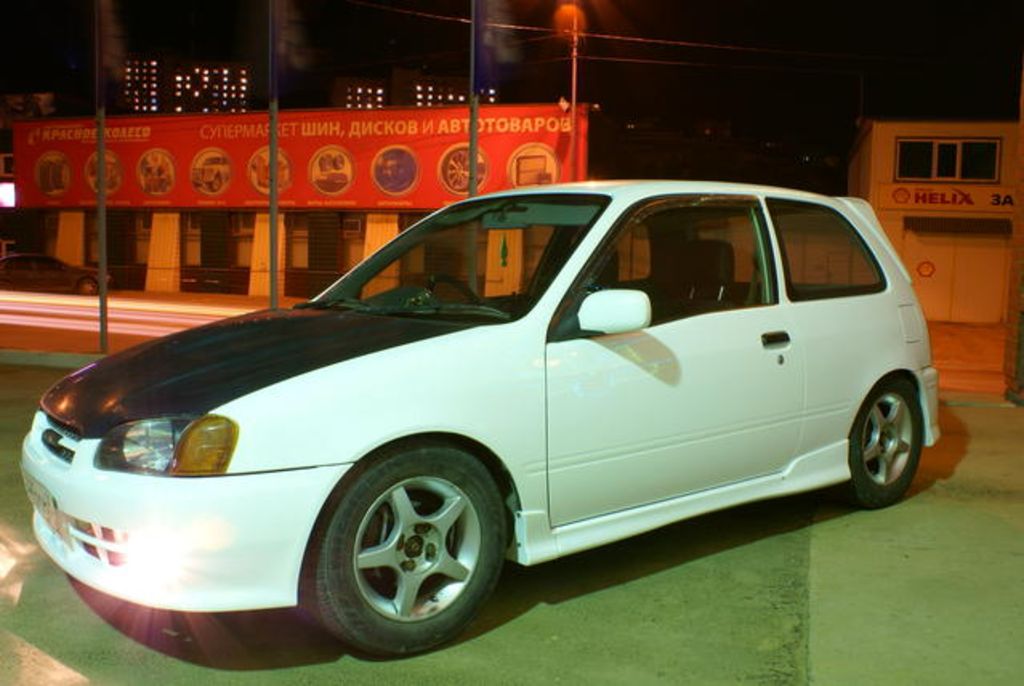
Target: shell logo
[{"x": 901, "y": 196}]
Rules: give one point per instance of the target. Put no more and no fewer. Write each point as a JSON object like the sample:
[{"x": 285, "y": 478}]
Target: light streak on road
[
  {"x": 124, "y": 315},
  {"x": 151, "y": 318},
  {"x": 66, "y": 324}
]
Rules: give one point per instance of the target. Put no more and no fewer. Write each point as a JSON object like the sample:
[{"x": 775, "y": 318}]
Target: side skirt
[{"x": 537, "y": 542}]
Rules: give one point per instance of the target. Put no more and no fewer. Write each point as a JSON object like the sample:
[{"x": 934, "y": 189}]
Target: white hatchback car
[{"x": 522, "y": 375}]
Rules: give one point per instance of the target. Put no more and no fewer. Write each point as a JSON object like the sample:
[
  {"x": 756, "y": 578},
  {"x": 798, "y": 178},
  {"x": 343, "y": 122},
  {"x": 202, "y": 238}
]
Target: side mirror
[{"x": 615, "y": 311}]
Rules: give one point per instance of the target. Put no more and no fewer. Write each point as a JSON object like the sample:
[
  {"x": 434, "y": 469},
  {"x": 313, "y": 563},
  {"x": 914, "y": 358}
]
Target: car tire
[
  {"x": 87, "y": 286},
  {"x": 885, "y": 444},
  {"x": 413, "y": 547}
]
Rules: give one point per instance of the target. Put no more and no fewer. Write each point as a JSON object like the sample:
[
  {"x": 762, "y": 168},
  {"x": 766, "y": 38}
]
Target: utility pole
[
  {"x": 101, "y": 174},
  {"x": 272, "y": 156},
  {"x": 575, "y": 51},
  {"x": 474, "y": 99}
]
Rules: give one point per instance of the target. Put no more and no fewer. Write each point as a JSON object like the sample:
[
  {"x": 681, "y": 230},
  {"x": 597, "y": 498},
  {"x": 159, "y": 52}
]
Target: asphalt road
[{"x": 792, "y": 591}]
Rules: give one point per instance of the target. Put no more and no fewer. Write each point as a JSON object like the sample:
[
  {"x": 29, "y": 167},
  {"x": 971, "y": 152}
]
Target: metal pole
[
  {"x": 474, "y": 101},
  {"x": 273, "y": 155},
  {"x": 572, "y": 108},
  {"x": 101, "y": 176},
  {"x": 474, "y": 116}
]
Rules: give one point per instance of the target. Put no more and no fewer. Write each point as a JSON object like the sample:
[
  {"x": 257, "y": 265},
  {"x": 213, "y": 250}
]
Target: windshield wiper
[
  {"x": 456, "y": 308},
  {"x": 408, "y": 309},
  {"x": 436, "y": 308},
  {"x": 337, "y": 304}
]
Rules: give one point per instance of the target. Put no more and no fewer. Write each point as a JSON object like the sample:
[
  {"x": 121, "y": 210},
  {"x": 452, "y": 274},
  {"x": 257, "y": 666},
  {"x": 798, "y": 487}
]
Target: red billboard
[{"x": 362, "y": 159}]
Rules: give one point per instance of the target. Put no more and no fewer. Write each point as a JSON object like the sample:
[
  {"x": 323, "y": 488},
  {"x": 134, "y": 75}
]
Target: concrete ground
[{"x": 801, "y": 590}]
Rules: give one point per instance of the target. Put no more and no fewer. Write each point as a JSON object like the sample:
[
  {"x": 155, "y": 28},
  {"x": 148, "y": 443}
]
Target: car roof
[
  {"x": 632, "y": 190},
  {"x": 629, "y": 189},
  {"x": 26, "y": 254}
]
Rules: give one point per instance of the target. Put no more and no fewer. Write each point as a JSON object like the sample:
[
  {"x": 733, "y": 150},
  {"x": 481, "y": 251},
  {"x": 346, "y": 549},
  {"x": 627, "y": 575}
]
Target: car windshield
[{"x": 487, "y": 259}]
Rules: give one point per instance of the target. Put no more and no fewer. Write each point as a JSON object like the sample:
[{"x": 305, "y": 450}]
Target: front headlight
[{"x": 179, "y": 446}]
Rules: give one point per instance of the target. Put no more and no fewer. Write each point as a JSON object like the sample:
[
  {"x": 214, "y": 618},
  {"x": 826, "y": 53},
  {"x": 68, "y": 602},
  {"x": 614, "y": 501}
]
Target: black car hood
[{"x": 199, "y": 369}]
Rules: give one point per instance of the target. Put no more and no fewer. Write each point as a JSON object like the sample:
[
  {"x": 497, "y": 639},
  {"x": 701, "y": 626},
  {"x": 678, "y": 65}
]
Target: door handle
[{"x": 774, "y": 338}]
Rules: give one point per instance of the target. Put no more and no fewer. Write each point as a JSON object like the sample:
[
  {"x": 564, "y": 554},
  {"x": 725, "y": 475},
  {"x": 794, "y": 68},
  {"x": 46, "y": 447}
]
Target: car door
[
  {"x": 51, "y": 274},
  {"x": 20, "y": 272},
  {"x": 834, "y": 285},
  {"x": 710, "y": 394}
]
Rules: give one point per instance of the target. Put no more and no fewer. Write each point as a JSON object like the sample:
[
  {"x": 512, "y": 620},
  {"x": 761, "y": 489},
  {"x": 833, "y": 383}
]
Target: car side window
[
  {"x": 691, "y": 255},
  {"x": 49, "y": 264},
  {"x": 822, "y": 253}
]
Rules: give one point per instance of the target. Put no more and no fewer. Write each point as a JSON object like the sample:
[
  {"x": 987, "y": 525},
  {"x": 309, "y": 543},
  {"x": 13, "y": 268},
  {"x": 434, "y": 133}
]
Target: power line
[
  {"x": 411, "y": 13},
  {"x": 729, "y": 48},
  {"x": 715, "y": 65},
  {"x": 639, "y": 40}
]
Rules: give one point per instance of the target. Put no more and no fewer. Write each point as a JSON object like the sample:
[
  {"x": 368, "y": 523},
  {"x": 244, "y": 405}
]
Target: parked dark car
[{"x": 28, "y": 272}]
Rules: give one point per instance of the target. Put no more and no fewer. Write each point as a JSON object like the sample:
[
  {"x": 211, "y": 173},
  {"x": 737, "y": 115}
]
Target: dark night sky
[{"x": 788, "y": 70}]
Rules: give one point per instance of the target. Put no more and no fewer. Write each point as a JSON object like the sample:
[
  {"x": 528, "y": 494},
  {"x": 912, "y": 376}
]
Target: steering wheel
[{"x": 460, "y": 286}]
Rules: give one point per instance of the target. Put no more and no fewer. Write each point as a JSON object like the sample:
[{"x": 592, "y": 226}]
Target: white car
[{"x": 519, "y": 376}]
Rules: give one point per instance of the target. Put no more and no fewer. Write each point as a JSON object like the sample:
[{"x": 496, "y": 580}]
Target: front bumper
[{"x": 233, "y": 542}]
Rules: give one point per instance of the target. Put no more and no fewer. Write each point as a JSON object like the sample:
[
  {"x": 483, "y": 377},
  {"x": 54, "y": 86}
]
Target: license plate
[{"x": 46, "y": 505}]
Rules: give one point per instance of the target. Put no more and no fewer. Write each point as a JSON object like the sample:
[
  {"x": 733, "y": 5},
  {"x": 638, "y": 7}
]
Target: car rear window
[{"x": 823, "y": 255}]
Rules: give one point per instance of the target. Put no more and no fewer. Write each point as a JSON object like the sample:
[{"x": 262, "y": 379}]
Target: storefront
[
  {"x": 188, "y": 195},
  {"x": 946, "y": 194}
]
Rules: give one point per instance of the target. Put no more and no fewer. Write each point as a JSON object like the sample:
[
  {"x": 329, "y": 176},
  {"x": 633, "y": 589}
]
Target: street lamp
[{"x": 568, "y": 19}]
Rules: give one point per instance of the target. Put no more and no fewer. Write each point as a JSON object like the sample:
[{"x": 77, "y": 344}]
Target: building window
[
  {"x": 947, "y": 160},
  {"x": 979, "y": 160},
  {"x": 192, "y": 255},
  {"x": 92, "y": 240},
  {"x": 243, "y": 226},
  {"x": 6, "y": 166},
  {"x": 143, "y": 229},
  {"x": 407, "y": 219},
  {"x": 297, "y": 235},
  {"x": 51, "y": 227},
  {"x": 353, "y": 241}
]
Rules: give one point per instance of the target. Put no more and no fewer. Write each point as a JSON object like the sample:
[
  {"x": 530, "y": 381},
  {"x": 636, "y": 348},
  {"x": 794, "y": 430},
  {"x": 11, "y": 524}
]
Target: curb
[{"x": 968, "y": 399}]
